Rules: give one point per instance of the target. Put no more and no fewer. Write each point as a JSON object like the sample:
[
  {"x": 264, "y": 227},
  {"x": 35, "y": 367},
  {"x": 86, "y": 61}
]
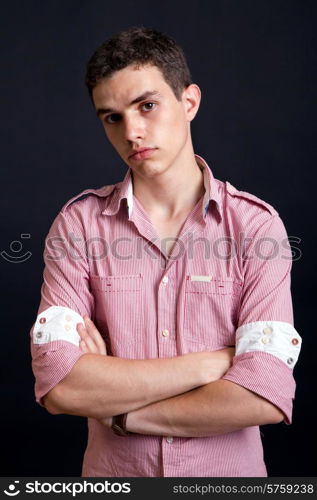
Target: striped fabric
[{"x": 228, "y": 275}]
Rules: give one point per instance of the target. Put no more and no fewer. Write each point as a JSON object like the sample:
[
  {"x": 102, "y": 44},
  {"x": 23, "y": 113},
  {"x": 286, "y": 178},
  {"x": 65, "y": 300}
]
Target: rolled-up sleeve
[
  {"x": 65, "y": 299},
  {"x": 267, "y": 344}
]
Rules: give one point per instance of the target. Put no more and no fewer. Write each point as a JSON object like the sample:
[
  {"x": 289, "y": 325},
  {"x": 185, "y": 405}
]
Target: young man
[{"x": 149, "y": 284}]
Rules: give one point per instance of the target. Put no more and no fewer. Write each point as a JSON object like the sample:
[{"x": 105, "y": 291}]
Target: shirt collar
[
  {"x": 124, "y": 190},
  {"x": 212, "y": 192}
]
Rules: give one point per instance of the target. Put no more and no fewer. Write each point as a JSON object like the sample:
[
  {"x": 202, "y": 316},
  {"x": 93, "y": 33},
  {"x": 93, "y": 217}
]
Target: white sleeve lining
[
  {"x": 57, "y": 323},
  {"x": 274, "y": 337}
]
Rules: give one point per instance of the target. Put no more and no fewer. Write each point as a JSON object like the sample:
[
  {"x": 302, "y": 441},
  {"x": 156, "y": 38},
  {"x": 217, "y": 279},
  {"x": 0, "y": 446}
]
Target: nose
[{"x": 133, "y": 128}]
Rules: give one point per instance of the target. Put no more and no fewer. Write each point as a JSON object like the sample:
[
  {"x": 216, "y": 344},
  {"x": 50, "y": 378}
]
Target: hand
[
  {"x": 223, "y": 357},
  {"x": 107, "y": 421},
  {"x": 221, "y": 361},
  {"x": 91, "y": 340},
  {"x": 213, "y": 365}
]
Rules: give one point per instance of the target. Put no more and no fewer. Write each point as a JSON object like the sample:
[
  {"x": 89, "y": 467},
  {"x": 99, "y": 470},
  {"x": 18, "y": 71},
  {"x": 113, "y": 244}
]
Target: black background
[{"x": 255, "y": 62}]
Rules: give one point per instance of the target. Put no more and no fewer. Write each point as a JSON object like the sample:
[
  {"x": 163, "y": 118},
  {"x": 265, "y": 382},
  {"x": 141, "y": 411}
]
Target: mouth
[{"x": 142, "y": 153}]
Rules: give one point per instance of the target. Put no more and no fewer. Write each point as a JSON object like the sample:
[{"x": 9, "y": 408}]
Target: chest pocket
[
  {"x": 119, "y": 311},
  {"x": 211, "y": 311}
]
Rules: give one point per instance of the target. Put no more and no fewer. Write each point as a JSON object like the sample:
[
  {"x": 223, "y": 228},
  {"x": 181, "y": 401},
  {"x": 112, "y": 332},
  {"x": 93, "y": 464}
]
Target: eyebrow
[{"x": 142, "y": 97}]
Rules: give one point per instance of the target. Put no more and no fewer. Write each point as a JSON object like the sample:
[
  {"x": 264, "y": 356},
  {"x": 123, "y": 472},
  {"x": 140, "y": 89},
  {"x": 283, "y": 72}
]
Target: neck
[{"x": 172, "y": 193}]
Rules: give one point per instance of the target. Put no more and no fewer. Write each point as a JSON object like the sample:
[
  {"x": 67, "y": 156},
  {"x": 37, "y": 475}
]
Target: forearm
[
  {"x": 216, "y": 408},
  {"x": 99, "y": 386}
]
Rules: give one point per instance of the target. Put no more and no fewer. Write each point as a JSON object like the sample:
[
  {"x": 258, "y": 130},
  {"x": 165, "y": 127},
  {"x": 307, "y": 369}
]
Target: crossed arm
[{"x": 181, "y": 396}]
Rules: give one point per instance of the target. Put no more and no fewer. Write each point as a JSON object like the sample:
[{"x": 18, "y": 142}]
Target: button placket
[
  {"x": 165, "y": 326},
  {"x": 165, "y": 331}
]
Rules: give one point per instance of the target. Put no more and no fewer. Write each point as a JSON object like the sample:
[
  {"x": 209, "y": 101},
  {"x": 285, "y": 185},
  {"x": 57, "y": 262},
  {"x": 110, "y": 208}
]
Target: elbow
[
  {"x": 278, "y": 416},
  {"x": 274, "y": 414},
  {"x": 52, "y": 401}
]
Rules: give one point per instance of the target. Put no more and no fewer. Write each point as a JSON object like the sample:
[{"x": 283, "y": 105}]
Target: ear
[{"x": 191, "y": 99}]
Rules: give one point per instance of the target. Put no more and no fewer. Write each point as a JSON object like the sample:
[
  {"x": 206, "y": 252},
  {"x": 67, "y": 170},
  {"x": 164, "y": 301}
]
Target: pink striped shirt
[{"x": 226, "y": 282}]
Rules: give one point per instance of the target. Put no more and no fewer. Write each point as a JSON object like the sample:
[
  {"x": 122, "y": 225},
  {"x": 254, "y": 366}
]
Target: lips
[{"x": 142, "y": 153}]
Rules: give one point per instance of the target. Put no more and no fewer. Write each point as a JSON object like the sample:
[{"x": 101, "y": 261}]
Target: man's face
[{"x": 143, "y": 120}]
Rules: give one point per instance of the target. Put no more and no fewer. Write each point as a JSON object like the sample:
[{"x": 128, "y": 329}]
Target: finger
[
  {"x": 81, "y": 330},
  {"x": 83, "y": 346},
  {"x": 95, "y": 335},
  {"x": 84, "y": 335},
  {"x": 91, "y": 346}
]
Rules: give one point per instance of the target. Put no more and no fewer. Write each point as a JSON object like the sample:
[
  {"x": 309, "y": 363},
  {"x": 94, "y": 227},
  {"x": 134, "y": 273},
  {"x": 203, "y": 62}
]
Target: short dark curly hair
[{"x": 140, "y": 46}]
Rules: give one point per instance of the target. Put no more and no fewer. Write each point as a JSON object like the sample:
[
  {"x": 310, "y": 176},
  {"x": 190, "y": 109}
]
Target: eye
[
  {"x": 112, "y": 118},
  {"x": 148, "y": 106}
]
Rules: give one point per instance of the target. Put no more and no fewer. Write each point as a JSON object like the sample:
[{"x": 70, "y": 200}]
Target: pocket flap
[
  {"x": 118, "y": 283},
  {"x": 215, "y": 285}
]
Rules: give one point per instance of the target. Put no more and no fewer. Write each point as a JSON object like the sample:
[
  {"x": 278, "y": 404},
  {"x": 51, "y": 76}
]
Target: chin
[{"x": 149, "y": 169}]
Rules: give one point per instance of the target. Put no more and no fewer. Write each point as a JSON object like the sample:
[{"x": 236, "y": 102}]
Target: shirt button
[
  {"x": 42, "y": 321},
  {"x": 67, "y": 327},
  {"x": 39, "y": 335},
  {"x": 165, "y": 280},
  {"x": 68, "y": 317},
  {"x": 290, "y": 361},
  {"x": 264, "y": 340},
  {"x": 267, "y": 330},
  {"x": 165, "y": 333},
  {"x": 295, "y": 341},
  {"x": 169, "y": 440}
]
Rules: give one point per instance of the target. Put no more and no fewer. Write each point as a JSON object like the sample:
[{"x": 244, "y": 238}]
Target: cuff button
[
  {"x": 295, "y": 341},
  {"x": 42, "y": 321},
  {"x": 267, "y": 330}
]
